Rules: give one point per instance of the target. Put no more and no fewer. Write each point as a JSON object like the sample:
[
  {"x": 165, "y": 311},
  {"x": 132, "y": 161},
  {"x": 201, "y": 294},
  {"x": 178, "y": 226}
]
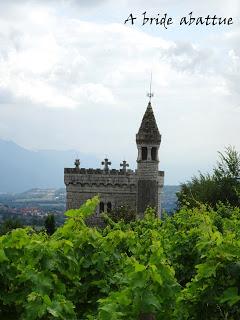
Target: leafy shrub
[{"x": 184, "y": 267}]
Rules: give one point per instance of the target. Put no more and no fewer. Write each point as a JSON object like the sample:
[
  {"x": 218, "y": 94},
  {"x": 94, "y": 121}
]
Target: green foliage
[
  {"x": 50, "y": 224},
  {"x": 228, "y": 165},
  {"x": 183, "y": 267},
  {"x": 222, "y": 186},
  {"x": 9, "y": 224},
  {"x": 124, "y": 213}
]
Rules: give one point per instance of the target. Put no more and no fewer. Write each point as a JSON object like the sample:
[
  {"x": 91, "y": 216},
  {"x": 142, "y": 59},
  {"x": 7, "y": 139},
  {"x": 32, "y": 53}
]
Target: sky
[{"x": 74, "y": 76}]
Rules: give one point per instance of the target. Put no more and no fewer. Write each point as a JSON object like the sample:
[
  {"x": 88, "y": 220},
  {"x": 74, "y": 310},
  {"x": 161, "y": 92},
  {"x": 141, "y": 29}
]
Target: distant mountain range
[{"x": 22, "y": 169}]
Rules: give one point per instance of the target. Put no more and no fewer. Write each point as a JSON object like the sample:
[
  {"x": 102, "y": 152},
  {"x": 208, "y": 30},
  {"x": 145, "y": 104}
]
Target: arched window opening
[
  {"x": 101, "y": 207},
  {"x": 109, "y": 207},
  {"x": 154, "y": 153},
  {"x": 144, "y": 153}
]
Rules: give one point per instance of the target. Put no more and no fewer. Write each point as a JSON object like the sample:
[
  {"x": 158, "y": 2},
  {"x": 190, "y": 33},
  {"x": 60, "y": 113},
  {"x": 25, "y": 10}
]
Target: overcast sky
[{"x": 73, "y": 76}]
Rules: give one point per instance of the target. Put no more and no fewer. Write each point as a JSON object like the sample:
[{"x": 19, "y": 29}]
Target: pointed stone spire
[{"x": 148, "y": 132}]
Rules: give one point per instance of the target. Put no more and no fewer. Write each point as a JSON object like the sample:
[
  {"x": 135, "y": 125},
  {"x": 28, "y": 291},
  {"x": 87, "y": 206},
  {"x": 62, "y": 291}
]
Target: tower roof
[{"x": 148, "y": 131}]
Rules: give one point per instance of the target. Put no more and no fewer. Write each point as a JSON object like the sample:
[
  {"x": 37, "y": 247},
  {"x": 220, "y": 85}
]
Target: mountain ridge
[{"x": 22, "y": 169}]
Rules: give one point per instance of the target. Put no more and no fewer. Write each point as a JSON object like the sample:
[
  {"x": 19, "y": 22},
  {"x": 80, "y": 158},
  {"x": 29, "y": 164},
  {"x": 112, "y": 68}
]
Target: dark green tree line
[{"x": 223, "y": 185}]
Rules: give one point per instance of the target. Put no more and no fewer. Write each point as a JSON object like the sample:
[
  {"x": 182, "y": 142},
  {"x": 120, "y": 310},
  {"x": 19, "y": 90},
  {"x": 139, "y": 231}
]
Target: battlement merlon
[
  {"x": 97, "y": 171},
  {"x": 98, "y": 176}
]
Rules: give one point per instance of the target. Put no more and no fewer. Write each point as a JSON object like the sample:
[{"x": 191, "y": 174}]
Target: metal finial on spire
[{"x": 150, "y": 94}]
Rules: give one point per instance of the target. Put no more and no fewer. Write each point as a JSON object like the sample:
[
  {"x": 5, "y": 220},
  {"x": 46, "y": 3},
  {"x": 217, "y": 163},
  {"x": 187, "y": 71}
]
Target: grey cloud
[
  {"x": 6, "y": 96},
  {"x": 186, "y": 4},
  {"x": 84, "y": 61},
  {"x": 87, "y": 3},
  {"x": 81, "y": 3},
  {"x": 185, "y": 57}
]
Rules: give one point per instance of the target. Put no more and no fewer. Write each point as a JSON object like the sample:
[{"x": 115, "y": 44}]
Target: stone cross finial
[
  {"x": 77, "y": 163},
  {"x": 106, "y": 164},
  {"x": 124, "y": 165}
]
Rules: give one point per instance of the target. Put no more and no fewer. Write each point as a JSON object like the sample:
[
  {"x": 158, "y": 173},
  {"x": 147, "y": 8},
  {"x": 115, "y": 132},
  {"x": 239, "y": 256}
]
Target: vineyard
[{"x": 182, "y": 267}]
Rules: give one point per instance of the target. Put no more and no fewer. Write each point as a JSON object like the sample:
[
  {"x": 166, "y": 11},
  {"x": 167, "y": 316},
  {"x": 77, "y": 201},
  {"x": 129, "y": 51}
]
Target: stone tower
[
  {"x": 149, "y": 179},
  {"x": 121, "y": 187}
]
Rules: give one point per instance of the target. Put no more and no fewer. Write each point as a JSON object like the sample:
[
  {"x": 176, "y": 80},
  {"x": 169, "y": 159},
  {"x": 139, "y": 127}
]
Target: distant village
[{"x": 32, "y": 206}]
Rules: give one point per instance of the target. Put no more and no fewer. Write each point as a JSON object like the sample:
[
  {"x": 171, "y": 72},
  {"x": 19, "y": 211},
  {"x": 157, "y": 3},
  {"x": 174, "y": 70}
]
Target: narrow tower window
[
  {"x": 144, "y": 153},
  {"x": 154, "y": 153},
  {"x": 101, "y": 207},
  {"x": 109, "y": 207}
]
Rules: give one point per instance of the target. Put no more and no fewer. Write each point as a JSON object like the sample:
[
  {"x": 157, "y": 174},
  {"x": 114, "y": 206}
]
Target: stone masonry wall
[
  {"x": 148, "y": 170},
  {"x": 115, "y": 186},
  {"x": 149, "y": 187}
]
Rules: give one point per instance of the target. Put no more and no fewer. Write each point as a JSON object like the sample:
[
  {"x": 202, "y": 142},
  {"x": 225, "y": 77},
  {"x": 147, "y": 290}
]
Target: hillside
[{"x": 22, "y": 169}]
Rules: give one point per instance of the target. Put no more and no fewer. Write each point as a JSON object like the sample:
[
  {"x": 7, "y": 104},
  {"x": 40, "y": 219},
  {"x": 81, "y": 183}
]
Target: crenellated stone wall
[{"x": 115, "y": 186}]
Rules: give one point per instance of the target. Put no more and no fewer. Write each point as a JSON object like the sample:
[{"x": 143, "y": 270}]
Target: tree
[
  {"x": 221, "y": 186},
  {"x": 9, "y": 225},
  {"x": 50, "y": 224},
  {"x": 229, "y": 164}
]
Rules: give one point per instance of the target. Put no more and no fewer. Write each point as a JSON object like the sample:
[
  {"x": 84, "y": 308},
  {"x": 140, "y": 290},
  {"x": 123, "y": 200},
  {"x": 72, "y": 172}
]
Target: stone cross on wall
[
  {"x": 106, "y": 164},
  {"x": 77, "y": 163},
  {"x": 124, "y": 165}
]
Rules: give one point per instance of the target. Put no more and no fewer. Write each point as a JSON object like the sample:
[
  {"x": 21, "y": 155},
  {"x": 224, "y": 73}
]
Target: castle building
[{"x": 124, "y": 187}]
